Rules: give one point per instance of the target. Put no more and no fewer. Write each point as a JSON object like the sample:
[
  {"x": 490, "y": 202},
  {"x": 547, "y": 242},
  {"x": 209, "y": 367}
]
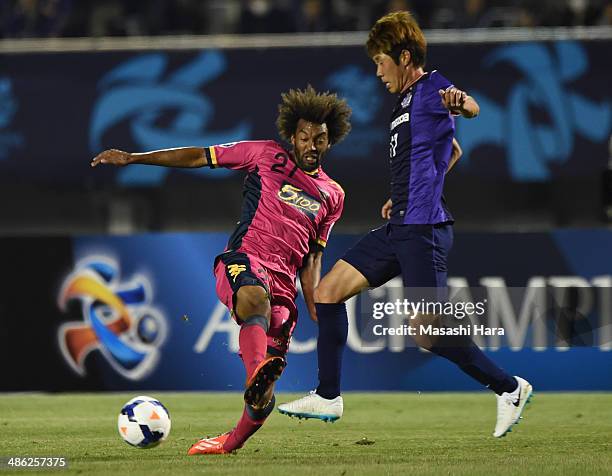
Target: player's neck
[{"x": 412, "y": 76}]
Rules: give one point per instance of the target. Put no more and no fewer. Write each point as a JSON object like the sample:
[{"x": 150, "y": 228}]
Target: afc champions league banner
[
  {"x": 140, "y": 312},
  {"x": 545, "y": 108}
]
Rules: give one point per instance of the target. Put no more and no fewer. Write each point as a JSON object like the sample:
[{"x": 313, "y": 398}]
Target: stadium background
[{"x": 532, "y": 196}]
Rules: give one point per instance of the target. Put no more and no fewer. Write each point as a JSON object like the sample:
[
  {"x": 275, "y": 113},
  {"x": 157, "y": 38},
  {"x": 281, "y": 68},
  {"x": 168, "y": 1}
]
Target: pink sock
[
  {"x": 246, "y": 427},
  {"x": 253, "y": 346}
]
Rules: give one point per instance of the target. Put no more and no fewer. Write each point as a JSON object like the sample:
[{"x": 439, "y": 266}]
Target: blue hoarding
[
  {"x": 545, "y": 112},
  {"x": 141, "y": 312}
]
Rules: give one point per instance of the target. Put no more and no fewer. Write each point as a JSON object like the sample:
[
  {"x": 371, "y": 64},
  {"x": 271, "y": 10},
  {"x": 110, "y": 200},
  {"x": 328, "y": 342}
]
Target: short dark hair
[
  {"x": 319, "y": 108},
  {"x": 394, "y": 33}
]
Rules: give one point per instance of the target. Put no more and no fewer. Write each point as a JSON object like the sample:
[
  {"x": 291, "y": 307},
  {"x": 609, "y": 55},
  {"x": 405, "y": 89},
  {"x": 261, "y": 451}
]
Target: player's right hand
[
  {"x": 385, "y": 211},
  {"x": 453, "y": 99},
  {"x": 113, "y": 157}
]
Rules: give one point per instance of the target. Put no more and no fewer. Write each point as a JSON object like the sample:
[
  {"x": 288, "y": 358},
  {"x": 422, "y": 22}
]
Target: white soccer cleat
[
  {"x": 510, "y": 406},
  {"x": 314, "y": 406}
]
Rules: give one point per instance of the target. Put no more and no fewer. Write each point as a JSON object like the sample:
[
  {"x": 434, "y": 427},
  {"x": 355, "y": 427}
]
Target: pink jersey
[{"x": 286, "y": 212}]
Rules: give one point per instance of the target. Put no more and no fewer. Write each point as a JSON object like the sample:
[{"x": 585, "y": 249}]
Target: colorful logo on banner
[
  {"x": 533, "y": 147},
  {"x": 362, "y": 92},
  {"x": 164, "y": 110},
  {"x": 9, "y": 140},
  {"x": 118, "y": 319}
]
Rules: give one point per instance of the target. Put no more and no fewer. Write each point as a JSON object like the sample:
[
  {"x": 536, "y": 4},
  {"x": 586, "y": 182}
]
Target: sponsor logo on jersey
[
  {"x": 235, "y": 269},
  {"x": 401, "y": 119},
  {"x": 406, "y": 100},
  {"x": 297, "y": 198}
]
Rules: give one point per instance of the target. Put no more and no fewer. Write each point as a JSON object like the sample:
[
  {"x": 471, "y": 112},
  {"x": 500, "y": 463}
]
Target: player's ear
[
  {"x": 405, "y": 58},
  {"x": 292, "y": 140}
]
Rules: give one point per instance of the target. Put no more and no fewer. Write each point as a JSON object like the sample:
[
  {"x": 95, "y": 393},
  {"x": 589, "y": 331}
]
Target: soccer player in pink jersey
[{"x": 290, "y": 205}]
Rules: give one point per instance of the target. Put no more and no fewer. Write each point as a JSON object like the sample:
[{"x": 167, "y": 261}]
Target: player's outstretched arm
[
  {"x": 310, "y": 275},
  {"x": 179, "y": 157},
  {"x": 458, "y": 102},
  {"x": 455, "y": 155}
]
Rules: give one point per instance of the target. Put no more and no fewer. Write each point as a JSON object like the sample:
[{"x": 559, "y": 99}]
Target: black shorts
[{"x": 418, "y": 253}]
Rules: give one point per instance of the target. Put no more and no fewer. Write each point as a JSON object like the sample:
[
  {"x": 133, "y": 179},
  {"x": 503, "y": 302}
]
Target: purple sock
[
  {"x": 333, "y": 330},
  {"x": 462, "y": 351}
]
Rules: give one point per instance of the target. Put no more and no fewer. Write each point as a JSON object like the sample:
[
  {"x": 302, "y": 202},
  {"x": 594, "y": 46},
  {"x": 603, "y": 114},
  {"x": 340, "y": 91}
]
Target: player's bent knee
[
  {"x": 327, "y": 294},
  {"x": 252, "y": 300},
  {"x": 341, "y": 283}
]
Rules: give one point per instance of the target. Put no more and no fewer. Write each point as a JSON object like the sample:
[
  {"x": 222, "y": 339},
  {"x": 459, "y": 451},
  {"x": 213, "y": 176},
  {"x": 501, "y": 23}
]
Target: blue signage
[{"x": 168, "y": 277}]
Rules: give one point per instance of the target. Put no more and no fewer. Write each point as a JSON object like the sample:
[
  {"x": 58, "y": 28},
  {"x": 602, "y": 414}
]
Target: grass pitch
[{"x": 381, "y": 433}]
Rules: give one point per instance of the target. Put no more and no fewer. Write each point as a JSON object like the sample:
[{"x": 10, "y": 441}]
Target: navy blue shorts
[{"x": 418, "y": 253}]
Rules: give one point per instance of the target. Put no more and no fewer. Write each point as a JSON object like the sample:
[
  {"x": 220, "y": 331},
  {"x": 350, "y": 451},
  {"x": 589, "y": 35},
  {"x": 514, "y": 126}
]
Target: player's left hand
[
  {"x": 385, "y": 211},
  {"x": 453, "y": 99}
]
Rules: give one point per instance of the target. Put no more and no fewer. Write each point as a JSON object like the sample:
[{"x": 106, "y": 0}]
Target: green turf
[{"x": 408, "y": 434}]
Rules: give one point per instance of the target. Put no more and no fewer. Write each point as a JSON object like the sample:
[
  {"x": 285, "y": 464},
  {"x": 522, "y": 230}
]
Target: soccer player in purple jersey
[
  {"x": 416, "y": 241},
  {"x": 290, "y": 205}
]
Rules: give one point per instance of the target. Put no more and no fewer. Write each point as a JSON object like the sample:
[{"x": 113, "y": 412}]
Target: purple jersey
[
  {"x": 422, "y": 131},
  {"x": 286, "y": 212}
]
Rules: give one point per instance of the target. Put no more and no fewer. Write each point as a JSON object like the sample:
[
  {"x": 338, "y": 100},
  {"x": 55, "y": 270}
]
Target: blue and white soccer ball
[{"x": 144, "y": 422}]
